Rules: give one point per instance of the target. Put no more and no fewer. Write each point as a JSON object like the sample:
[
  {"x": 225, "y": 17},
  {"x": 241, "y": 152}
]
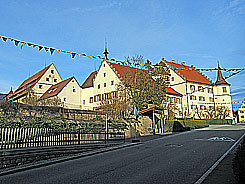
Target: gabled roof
[
  {"x": 189, "y": 73},
  {"x": 89, "y": 82},
  {"x": 220, "y": 79},
  {"x": 124, "y": 71},
  {"x": 34, "y": 79},
  {"x": 171, "y": 91},
  {"x": 56, "y": 89}
]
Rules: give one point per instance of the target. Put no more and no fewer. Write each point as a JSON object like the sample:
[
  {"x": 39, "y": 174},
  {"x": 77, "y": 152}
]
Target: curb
[{"x": 82, "y": 155}]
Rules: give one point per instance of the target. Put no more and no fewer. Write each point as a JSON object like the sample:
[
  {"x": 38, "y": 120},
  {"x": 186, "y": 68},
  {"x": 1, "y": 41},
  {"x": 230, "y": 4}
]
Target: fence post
[{"x": 79, "y": 136}]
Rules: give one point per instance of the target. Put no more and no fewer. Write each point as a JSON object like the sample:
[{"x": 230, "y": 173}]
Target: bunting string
[{"x": 52, "y": 50}]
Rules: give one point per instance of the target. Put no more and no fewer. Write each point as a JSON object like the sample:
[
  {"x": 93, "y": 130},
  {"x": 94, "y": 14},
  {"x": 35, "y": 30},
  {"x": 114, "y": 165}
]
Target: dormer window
[
  {"x": 73, "y": 90},
  {"x": 104, "y": 74},
  {"x": 55, "y": 80},
  {"x": 52, "y": 71},
  {"x": 224, "y": 89},
  {"x": 47, "y": 79}
]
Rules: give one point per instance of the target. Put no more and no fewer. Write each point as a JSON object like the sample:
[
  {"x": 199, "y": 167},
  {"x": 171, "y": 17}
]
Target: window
[
  {"x": 192, "y": 88},
  {"x": 211, "y": 99},
  {"x": 55, "y": 80},
  {"x": 201, "y": 98},
  {"x": 224, "y": 89},
  {"x": 242, "y": 116},
  {"x": 105, "y": 84},
  {"x": 193, "y": 106},
  {"x": 83, "y": 102},
  {"x": 192, "y": 97},
  {"x": 112, "y": 83},
  {"x": 52, "y": 71},
  {"x": 47, "y": 79},
  {"x": 104, "y": 65},
  {"x": 172, "y": 78},
  {"x": 210, "y": 90},
  {"x": 64, "y": 99},
  {"x": 73, "y": 90},
  {"x": 178, "y": 100},
  {"x": 104, "y": 74},
  {"x": 200, "y": 88},
  {"x": 203, "y": 107},
  {"x": 91, "y": 100},
  {"x": 40, "y": 86},
  {"x": 98, "y": 86},
  {"x": 241, "y": 111},
  {"x": 211, "y": 108}
]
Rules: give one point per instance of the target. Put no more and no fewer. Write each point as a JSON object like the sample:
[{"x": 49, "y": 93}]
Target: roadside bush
[{"x": 238, "y": 163}]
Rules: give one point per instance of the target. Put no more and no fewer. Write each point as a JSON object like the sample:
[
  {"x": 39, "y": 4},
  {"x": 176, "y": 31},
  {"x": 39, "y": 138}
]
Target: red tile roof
[
  {"x": 189, "y": 73},
  {"x": 124, "y": 71},
  {"x": 171, "y": 91},
  {"x": 55, "y": 89},
  {"x": 89, "y": 82}
]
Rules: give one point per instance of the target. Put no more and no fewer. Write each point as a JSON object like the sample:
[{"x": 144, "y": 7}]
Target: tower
[{"x": 222, "y": 95}]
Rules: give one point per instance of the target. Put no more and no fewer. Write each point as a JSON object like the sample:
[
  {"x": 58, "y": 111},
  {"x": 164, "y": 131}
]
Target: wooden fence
[{"x": 11, "y": 138}]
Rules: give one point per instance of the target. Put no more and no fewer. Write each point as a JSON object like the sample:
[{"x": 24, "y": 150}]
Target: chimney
[
  {"x": 183, "y": 63},
  {"x": 173, "y": 61}
]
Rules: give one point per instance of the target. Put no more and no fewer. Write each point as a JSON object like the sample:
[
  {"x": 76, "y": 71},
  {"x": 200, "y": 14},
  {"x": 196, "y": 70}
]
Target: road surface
[{"x": 180, "y": 158}]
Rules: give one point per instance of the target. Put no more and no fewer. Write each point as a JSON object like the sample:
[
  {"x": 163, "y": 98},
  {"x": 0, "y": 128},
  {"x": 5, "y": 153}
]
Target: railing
[{"x": 11, "y": 138}]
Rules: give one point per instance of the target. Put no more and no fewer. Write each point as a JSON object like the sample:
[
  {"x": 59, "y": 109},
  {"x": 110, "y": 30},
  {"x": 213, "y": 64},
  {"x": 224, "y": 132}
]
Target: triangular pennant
[
  {"x": 99, "y": 57},
  {"x": 29, "y": 44},
  {"x": 11, "y": 39},
  {"x": 16, "y": 42},
  {"x": 46, "y": 49},
  {"x": 4, "y": 38},
  {"x": 34, "y": 45},
  {"x": 68, "y": 52},
  {"x": 51, "y": 50},
  {"x": 113, "y": 59},
  {"x": 40, "y": 48},
  {"x": 79, "y": 54},
  {"x": 63, "y": 51},
  {"x": 73, "y": 55},
  {"x": 22, "y": 44},
  {"x": 93, "y": 56},
  {"x": 90, "y": 56},
  {"x": 58, "y": 50},
  {"x": 84, "y": 55},
  {"x": 126, "y": 63}
]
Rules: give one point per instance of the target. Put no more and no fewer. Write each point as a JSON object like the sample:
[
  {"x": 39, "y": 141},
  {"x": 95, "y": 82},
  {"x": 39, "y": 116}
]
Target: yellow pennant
[
  {"x": 22, "y": 44},
  {"x": 79, "y": 54},
  {"x": 46, "y": 49},
  {"x": 58, "y": 50}
]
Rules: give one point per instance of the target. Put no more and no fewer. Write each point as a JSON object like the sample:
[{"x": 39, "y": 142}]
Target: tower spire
[
  {"x": 106, "y": 53},
  {"x": 220, "y": 79}
]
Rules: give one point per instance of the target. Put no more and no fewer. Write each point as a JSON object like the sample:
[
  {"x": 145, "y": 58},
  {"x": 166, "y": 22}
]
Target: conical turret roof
[{"x": 220, "y": 79}]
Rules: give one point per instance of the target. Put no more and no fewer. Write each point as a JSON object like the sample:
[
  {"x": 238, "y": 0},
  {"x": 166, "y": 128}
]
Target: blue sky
[{"x": 196, "y": 31}]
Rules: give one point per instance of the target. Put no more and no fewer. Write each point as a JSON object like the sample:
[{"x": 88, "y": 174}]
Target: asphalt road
[{"x": 180, "y": 158}]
